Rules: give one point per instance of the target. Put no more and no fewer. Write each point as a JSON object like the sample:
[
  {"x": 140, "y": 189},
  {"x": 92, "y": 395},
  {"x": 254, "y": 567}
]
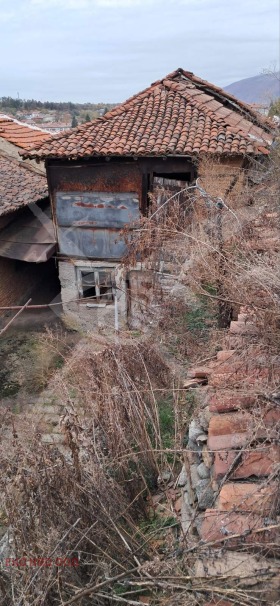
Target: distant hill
[{"x": 258, "y": 89}]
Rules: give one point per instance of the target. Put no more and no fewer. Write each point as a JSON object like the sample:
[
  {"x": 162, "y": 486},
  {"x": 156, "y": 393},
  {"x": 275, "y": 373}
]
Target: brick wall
[{"x": 218, "y": 175}]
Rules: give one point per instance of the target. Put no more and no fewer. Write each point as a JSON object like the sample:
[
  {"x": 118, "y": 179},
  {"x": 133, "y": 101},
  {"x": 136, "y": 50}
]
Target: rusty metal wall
[
  {"x": 118, "y": 175},
  {"x": 106, "y": 177},
  {"x": 93, "y": 199},
  {"x": 96, "y": 209},
  {"x": 91, "y": 243},
  {"x": 92, "y": 203},
  {"x": 89, "y": 224}
]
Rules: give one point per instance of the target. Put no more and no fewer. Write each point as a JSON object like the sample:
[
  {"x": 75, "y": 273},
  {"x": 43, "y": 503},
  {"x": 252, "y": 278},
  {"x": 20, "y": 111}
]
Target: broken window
[{"x": 96, "y": 284}]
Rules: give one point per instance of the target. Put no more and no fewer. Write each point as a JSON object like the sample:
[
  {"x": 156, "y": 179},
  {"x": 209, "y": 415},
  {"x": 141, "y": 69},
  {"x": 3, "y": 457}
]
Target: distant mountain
[{"x": 258, "y": 89}]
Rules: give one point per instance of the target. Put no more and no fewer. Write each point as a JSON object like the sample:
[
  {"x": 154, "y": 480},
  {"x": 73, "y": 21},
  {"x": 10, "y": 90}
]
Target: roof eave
[{"x": 257, "y": 152}]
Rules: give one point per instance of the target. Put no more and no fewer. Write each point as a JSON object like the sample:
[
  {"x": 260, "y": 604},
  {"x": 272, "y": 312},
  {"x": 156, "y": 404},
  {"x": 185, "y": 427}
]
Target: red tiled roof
[
  {"x": 179, "y": 115},
  {"x": 20, "y": 134},
  {"x": 19, "y": 186}
]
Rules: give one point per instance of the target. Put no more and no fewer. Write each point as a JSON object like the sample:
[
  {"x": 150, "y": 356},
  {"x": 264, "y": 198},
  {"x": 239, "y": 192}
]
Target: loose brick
[
  {"x": 257, "y": 463},
  {"x": 232, "y": 430},
  {"x": 245, "y": 496},
  {"x": 200, "y": 373},
  {"x": 230, "y": 423},
  {"x": 223, "y": 356},
  {"x": 219, "y": 525},
  {"x": 239, "y": 374},
  {"x": 220, "y": 403},
  {"x": 235, "y": 440}
]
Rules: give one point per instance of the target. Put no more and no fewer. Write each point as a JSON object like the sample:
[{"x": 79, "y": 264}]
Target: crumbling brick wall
[{"x": 219, "y": 175}]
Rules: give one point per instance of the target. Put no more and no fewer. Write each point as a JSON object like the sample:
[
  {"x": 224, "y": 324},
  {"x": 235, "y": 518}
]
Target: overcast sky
[{"x": 107, "y": 50}]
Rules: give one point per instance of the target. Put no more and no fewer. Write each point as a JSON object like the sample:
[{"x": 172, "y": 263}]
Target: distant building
[{"x": 56, "y": 127}]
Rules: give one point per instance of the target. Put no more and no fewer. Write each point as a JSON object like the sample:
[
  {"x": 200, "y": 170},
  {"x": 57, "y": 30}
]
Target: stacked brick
[{"x": 238, "y": 450}]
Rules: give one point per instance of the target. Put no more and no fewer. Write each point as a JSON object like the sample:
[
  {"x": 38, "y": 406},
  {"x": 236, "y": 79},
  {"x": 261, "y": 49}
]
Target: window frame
[{"x": 99, "y": 299}]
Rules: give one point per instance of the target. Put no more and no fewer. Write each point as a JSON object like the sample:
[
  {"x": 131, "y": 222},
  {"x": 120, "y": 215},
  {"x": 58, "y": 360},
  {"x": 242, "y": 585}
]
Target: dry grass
[{"x": 91, "y": 504}]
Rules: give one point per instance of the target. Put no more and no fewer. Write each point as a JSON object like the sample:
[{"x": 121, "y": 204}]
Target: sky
[{"x": 107, "y": 50}]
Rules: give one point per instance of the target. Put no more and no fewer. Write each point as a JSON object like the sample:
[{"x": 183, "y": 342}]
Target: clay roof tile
[
  {"x": 19, "y": 186},
  {"x": 178, "y": 115}
]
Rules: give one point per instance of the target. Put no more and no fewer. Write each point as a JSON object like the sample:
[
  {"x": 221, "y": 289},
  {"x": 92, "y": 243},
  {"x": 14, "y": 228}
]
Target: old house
[
  {"x": 27, "y": 240},
  {"x": 100, "y": 175}
]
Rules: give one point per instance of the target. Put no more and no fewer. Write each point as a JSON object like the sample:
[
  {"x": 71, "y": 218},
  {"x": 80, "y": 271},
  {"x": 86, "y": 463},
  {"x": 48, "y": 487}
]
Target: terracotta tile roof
[
  {"x": 20, "y": 134},
  {"x": 19, "y": 186},
  {"x": 179, "y": 115}
]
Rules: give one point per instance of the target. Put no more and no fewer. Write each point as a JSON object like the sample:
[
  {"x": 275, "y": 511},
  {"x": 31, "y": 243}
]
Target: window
[{"x": 96, "y": 283}]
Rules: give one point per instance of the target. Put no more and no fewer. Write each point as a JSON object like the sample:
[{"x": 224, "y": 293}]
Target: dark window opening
[
  {"x": 171, "y": 186},
  {"x": 186, "y": 177},
  {"x": 97, "y": 285}
]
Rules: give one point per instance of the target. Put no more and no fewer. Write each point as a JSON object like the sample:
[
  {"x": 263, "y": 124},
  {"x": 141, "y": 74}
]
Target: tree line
[{"x": 33, "y": 104}]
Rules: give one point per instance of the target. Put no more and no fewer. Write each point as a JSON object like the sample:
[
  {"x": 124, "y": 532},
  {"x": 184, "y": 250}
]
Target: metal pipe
[{"x": 116, "y": 311}]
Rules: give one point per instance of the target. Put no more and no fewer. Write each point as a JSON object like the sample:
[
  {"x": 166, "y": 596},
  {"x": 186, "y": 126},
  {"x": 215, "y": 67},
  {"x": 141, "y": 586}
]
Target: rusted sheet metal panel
[
  {"x": 96, "y": 209},
  {"x": 106, "y": 177},
  {"x": 31, "y": 253},
  {"x": 91, "y": 243},
  {"x": 89, "y": 223}
]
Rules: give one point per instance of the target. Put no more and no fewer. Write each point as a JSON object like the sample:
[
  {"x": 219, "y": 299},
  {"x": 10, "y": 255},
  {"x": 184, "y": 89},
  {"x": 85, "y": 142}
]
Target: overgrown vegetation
[
  {"x": 111, "y": 399},
  {"x": 27, "y": 361},
  {"x": 125, "y": 422},
  {"x": 274, "y": 109}
]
